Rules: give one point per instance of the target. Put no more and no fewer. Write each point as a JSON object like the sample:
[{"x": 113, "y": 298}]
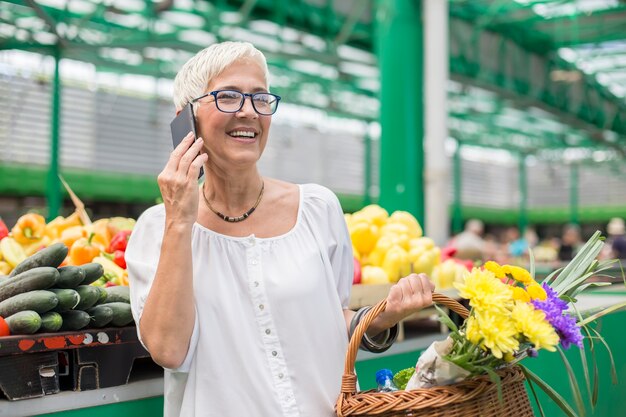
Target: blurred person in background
[
  {"x": 519, "y": 247},
  {"x": 469, "y": 244},
  {"x": 248, "y": 313},
  {"x": 571, "y": 242},
  {"x": 616, "y": 241}
]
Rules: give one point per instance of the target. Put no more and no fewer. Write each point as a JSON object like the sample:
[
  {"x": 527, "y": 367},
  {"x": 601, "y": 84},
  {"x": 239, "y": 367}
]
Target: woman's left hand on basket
[{"x": 409, "y": 295}]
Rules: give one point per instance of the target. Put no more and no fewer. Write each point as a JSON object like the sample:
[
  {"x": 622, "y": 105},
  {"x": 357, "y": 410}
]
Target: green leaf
[
  {"x": 573, "y": 383},
  {"x": 445, "y": 319},
  {"x": 608, "y": 349},
  {"x": 532, "y": 389},
  {"x": 583, "y": 358},
  {"x": 603, "y": 312},
  {"x": 577, "y": 266},
  {"x": 495, "y": 378},
  {"x": 558, "y": 400}
]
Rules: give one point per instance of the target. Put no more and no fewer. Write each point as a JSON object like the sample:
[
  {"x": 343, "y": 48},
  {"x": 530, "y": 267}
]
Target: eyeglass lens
[{"x": 232, "y": 101}]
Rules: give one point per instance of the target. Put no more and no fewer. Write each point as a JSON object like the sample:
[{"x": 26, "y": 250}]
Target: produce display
[
  {"x": 389, "y": 247},
  {"x": 63, "y": 275}
]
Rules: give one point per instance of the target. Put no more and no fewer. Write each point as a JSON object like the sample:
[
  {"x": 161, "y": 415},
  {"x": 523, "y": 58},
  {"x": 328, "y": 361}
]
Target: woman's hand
[
  {"x": 407, "y": 296},
  {"x": 178, "y": 181}
]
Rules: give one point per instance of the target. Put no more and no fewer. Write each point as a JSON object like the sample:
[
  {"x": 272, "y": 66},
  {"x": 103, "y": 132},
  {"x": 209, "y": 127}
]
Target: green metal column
[
  {"x": 457, "y": 213},
  {"x": 573, "y": 193},
  {"x": 399, "y": 43},
  {"x": 523, "y": 192},
  {"x": 53, "y": 189},
  {"x": 367, "y": 165}
]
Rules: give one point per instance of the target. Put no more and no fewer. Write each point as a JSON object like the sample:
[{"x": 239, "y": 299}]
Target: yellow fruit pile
[
  {"x": 447, "y": 273},
  {"x": 390, "y": 247}
]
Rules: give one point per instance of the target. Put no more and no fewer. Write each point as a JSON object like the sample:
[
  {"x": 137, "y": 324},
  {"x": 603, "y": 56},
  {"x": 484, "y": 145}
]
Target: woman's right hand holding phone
[{"x": 178, "y": 181}]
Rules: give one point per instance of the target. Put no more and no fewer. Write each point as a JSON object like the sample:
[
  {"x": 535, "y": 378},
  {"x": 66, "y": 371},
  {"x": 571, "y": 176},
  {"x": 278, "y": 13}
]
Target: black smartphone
[{"x": 182, "y": 124}]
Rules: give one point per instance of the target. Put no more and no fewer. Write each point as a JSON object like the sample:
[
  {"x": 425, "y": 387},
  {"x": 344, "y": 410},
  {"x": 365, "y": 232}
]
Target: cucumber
[
  {"x": 51, "y": 322},
  {"x": 118, "y": 293},
  {"x": 89, "y": 295},
  {"x": 74, "y": 320},
  {"x": 93, "y": 271},
  {"x": 68, "y": 299},
  {"x": 103, "y": 295},
  {"x": 39, "y": 301},
  {"x": 24, "y": 322},
  {"x": 39, "y": 278},
  {"x": 122, "y": 314},
  {"x": 100, "y": 315},
  {"x": 51, "y": 256},
  {"x": 70, "y": 276}
]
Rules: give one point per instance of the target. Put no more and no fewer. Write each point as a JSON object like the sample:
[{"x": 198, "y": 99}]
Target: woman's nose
[{"x": 247, "y": 109}]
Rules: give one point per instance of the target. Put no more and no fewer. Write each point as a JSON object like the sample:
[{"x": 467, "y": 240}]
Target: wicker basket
[{"x": 473, "y": 397}]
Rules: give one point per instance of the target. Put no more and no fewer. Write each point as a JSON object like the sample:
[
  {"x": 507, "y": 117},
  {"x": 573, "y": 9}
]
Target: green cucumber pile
[{"x": 43, "y": 297}]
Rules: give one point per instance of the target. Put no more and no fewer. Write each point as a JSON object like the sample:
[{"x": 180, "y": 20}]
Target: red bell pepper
[
  {"x": 356, "y": 278},
  {"x": 4, "y": 230},
  {"x": 118, "y": 258},
  {"x": 119, "y": 241},
  {"x": 4, "y": 328}
]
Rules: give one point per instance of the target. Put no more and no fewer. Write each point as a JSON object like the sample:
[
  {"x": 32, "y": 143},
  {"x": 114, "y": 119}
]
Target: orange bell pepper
[
  {"x": 29, "y": 227},
  {"x": 83, "y": 251}
]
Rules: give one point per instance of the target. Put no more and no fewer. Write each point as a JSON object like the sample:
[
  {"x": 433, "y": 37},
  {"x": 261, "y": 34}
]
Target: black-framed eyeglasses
[{"x": 231, "y": 101}]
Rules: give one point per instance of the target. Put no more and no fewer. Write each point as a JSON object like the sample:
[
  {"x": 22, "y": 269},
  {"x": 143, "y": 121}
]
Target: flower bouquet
[{"x": 512, "y": 317}]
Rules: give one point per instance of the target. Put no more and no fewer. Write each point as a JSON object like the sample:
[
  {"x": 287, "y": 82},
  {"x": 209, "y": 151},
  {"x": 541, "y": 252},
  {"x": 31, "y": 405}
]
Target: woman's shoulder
[{"x": 152, "y": 214}]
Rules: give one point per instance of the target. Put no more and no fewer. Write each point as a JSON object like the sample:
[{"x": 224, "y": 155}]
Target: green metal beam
[
  {"x": 53, "y": 191},
  {"x": 400, "y": 51}
]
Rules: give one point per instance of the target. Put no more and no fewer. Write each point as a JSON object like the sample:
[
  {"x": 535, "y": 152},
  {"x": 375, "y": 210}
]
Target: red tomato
[
  {"x": 356, "y": 278},
  {"x": 4, "y": 328}
]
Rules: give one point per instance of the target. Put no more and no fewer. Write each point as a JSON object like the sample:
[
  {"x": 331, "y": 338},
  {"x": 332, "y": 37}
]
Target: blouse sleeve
[
  {"x": 334, "y": 231},
  {"x": 142, "y": 258}
]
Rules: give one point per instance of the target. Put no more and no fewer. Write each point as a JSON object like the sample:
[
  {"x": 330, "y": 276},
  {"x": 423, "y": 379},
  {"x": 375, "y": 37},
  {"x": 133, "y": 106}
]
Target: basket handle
[{"x": 348, "y": 381}]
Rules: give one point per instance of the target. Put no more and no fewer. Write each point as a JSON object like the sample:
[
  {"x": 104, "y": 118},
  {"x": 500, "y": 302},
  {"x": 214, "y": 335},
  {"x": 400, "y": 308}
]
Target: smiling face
[{"x": 234, "y": 139}]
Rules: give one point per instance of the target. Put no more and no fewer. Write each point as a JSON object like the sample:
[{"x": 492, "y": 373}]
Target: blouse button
[
  {"x": 261, "y": 306},
  {"x": 274, "y": 353},
  {"x": 256, "y": 283},
  {"x": 280, "y": 376},
  {"x": 268, "y": 331},
  {"x": 254, "y": 262}
]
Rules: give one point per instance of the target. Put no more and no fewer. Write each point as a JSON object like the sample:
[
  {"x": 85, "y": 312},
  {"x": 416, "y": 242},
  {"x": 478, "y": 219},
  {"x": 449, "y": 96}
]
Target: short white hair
[{"x": 194, "y": 77}]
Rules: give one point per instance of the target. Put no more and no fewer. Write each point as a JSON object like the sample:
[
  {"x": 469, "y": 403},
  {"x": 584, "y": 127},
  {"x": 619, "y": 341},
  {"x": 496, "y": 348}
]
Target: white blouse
[{"x": 270, "y": 336}]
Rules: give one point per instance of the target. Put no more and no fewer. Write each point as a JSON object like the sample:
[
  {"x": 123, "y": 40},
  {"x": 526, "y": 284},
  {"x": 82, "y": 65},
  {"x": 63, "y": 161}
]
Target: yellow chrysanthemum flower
[
  {"x": 497, "y": 332},
  {"x": 519, "y": 274},
  {"x": 519, "y": 294},
  {"x": 536, "y": 292},
  {"x": 485, "y": 292},
  {"x": 534, "y": 326},
  {"x": 495, "y": 268}
]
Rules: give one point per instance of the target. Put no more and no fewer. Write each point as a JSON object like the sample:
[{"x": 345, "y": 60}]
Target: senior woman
[{"x": 240, "y": 287}]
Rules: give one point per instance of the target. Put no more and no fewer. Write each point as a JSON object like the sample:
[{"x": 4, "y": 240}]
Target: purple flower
[{"x": 564, "y": 324}]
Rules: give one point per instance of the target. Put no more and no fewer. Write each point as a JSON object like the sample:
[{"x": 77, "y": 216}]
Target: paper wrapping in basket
[{"x": 432, "y": 370}]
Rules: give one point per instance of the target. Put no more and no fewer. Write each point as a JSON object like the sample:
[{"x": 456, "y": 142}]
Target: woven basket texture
[{"x": 474, "y": 397}]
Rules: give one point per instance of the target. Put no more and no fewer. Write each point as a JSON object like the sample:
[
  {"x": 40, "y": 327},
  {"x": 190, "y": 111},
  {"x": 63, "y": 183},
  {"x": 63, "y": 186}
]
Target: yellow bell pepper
[
  {"x": 116, "y": 274},
  {"x": 29, "y": 227},
  {"x": 377, "y": 256},
  {"x": 407, "y": 219},
  {"x": 373, "y": 275},
  {"x": 5, "y": 268},
  {"x": 396, "y": 263},
  {"x": 447, "y": 273},
  {"x": 12, "y": 252},
  {"x": 72, "y": 234},
  {"x": 102, "y": 233},
  {"x": 375, "y": 213},
  {"x": 55, "y": 228},
  {"x": 422, "y": 242},
  {"x": 426, "y": 262},
  {"x": 364, "y": 236},
  {"x": 33, "y": 247}
]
